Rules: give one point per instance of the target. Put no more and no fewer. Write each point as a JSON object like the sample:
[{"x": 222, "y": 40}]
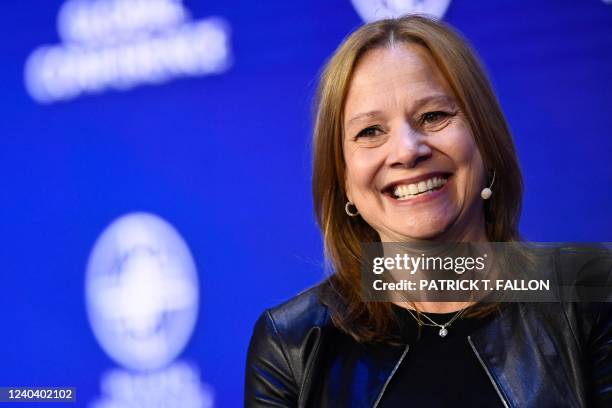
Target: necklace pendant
[{"x": 443, "y": 332}]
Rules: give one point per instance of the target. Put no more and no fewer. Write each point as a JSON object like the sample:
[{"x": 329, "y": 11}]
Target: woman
[{"x": 410, "y": 144}]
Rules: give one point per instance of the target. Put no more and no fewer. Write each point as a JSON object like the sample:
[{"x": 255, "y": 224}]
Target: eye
[
  {"x": 370, "y": 131},
  {"x": 432, "y": 118}
]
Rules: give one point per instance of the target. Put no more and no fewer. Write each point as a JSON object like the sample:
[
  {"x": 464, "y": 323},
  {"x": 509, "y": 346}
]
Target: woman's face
[{"x": 413, "y": 169}]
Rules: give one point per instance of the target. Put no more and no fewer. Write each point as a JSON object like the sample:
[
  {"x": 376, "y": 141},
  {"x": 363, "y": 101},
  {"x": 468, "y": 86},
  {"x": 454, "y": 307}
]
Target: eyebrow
[
  {"x": 365, "y": 115},
  {"x": 416, "y": 105}
]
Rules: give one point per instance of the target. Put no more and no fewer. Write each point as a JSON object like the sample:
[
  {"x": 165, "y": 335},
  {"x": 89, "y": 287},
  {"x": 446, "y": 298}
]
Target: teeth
[{"x": 406, "y": 192}]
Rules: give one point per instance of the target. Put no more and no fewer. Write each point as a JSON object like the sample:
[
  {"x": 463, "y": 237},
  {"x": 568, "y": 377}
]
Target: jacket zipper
[
  {"x": 499, "y": 393},
  {"x": 382, "y": 391}
]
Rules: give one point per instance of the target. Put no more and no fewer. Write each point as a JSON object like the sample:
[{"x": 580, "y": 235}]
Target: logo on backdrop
[
  {"x": 372, "y": 10},
  {"x": 141, "y": 291},
  {"x": 121, "y": 44}
]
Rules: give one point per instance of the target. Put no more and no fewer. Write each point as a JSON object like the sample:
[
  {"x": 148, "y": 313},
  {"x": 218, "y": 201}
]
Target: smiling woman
[
  {"x": 410, "y": 145},
  {"x": 413, "y": 169}
]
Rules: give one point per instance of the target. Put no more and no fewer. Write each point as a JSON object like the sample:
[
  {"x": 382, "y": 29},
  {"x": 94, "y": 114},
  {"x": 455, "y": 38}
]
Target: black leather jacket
[{"x": 535, "y": 354}]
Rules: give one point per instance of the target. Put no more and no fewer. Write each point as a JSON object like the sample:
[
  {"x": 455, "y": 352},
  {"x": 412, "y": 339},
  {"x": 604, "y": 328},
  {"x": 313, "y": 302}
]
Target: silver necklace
[{"x": 443, "y": 327}]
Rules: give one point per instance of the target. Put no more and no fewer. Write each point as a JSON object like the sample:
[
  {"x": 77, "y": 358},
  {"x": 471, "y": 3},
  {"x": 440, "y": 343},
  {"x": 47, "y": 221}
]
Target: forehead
[{"x": 399, "y": 74}]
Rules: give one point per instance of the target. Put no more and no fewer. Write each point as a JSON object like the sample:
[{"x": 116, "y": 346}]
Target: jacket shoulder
[
  {"x": 285, "y": 341},
  {"x": 297, "y": 316}
]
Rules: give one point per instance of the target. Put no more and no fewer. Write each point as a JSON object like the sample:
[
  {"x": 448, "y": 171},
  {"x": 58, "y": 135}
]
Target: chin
[
  {"x": 428, "y": 235},
  {"x": 421, "y": 232},
  {"x": 433, "y": 224}
]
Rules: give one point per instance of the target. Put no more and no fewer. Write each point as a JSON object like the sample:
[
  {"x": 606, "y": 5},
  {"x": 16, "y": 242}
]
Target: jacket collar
[
  {"x": 357, "y": 374},
  {"x": 524, "y": 358}
]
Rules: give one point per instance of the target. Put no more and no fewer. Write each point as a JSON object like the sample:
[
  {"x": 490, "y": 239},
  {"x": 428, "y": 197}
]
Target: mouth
[{"x": 405, "y": 190}]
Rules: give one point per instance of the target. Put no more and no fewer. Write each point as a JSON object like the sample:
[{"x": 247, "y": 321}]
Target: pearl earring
[{"x": 486, "y": 192}]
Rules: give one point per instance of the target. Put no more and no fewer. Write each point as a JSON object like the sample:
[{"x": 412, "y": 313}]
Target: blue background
[{"x": 226, "y": 160}]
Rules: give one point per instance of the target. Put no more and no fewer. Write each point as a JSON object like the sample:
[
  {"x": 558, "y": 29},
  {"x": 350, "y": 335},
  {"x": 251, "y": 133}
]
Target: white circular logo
[
  {"x": 141, "y": 291},
  {"x": 372, "y": 10}
]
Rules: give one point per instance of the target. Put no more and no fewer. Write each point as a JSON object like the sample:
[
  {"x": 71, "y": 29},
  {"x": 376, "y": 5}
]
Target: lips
[
  {"x": 407, "y": 189},
  {"x": 406, "y": 192}
]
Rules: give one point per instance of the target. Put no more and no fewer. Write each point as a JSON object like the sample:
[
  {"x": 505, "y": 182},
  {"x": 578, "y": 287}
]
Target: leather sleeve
[
  {"x": 269, "y": 377},
  {"x": 600, "y": 339},
  {"x": 601, "y": 357}
]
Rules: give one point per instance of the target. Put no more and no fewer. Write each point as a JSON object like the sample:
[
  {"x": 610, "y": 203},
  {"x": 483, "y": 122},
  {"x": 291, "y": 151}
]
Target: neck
[
  {"x": 435, "y": 307},
  {"x": 458, "y": 234}
]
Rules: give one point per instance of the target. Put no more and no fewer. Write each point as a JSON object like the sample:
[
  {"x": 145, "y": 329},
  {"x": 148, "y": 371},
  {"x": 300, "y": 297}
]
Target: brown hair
[{"x": 342, "y": 235}]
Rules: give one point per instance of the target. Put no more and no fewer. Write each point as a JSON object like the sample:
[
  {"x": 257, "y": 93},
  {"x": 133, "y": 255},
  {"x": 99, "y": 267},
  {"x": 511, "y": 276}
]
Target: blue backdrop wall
[{"x": 216, "y": 143}]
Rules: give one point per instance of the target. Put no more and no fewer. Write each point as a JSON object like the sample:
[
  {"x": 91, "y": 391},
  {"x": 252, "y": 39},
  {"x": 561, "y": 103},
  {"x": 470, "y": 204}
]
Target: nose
[{"x": 408, "y": 148}]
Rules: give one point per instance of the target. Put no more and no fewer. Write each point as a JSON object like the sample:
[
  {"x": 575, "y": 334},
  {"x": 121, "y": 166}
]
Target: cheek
[
  {"x": 466, "y": 156},
  {"x": 361, "y": 168},
  {"x": 458, "y": 144}
]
